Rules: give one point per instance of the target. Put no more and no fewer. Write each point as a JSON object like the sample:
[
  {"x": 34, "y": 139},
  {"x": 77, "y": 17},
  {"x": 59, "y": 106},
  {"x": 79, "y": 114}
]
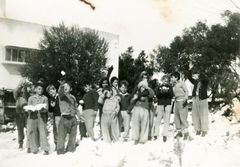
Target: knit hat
[{"x": 143, "y": 84}]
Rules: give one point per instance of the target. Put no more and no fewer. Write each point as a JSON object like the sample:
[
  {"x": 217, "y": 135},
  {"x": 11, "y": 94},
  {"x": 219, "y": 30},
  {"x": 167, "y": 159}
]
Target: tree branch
[{"x": 88, "y": 3}]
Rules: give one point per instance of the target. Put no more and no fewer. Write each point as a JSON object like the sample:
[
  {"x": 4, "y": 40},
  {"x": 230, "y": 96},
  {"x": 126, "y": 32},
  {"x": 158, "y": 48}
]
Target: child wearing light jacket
[
  {"x": 37, "y": 121},
  {"x": 109, "y": 121},
  {"x": 180, "y": 92}
]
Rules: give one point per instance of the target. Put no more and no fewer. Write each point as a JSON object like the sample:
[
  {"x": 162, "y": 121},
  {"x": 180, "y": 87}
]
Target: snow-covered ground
[{"x": 220, "y": 148}]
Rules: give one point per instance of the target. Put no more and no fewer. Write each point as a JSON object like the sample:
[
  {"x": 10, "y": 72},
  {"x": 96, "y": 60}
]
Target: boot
[
  {"x": 204, "y": 133},
  {"x": 155, "y": 138},
  {"x": 46, "y": 153},
  {"x": 28, "y": 150},
  {"x": 20, "y": 146},
  {"x": 136, "y": 142},
  {"x": 198, "y": 132},
  {"x": 179, "y": 134},
  {"x": 185, "y": 136},
  {"x": 164, "y": 139},
  {"x": 35, "y": 152}
]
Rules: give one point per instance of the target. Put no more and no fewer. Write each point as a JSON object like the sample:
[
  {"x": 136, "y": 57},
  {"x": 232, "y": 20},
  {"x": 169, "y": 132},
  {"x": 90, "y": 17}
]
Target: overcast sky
[{"x": 143, "y": 24}]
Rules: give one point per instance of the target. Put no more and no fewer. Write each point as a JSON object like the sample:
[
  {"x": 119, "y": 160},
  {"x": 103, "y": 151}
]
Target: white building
[{"x": 19, "y": 38}]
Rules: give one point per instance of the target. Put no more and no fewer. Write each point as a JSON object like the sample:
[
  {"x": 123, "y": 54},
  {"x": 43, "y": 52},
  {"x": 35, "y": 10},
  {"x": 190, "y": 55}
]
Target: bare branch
[{"x": 89, "y": 3}]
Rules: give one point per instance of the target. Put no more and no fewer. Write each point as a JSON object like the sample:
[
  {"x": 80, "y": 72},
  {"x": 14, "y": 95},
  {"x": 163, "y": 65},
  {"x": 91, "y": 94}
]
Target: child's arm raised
[
  {"x": 61, "y": 91},
  {"x": 18, "y": 89}
]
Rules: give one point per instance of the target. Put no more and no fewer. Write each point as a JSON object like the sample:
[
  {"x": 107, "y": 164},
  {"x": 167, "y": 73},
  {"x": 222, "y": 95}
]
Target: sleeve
[
  {"x": 75, "y": 103},
  {"x": 101, "y": 99},
  {"x": 109, "y": 73},
  {"x": 133, "y": 92},
  {"x": 151, "y": 93},
  {"x": 78, "y": 115},
  {"x": 190, "y": 78},
  {"x": 205, "y": 80},
  {"x": 145, "y": 93},
  {"x": 46, "y": 102},
  {"x": 61, "y": 92},
  {"x": 170, "y": 92},
  {"x": 117, "y": 109},
  {"x": 30, "y": 101},
  {"x": 16, "y": 92},
  {"x": 76, "y": 108},
  {"x": 95, "y": 100},
  {"x": 50, "y": 108},
  {"x": 185, "y": 90},
  {"x": 84, "y": 101},
  {"x": 132, "y": 100},
  {"x": 157, "y": 92}
]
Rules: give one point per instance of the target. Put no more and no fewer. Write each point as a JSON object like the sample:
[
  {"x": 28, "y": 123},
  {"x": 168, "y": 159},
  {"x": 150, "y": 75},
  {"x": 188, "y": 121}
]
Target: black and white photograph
[{"x": 120, "y": 83}]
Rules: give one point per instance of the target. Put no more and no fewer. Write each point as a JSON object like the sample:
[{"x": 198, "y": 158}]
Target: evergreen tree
[{"x": 81, "y": 54}]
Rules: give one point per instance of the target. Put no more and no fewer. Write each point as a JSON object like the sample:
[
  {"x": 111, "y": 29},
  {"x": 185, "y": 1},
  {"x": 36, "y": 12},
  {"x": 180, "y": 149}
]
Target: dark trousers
[
  {"x": 150, "y": 130},
  {"x": 21, "y": 121},
  {"x": 100, "y": 107},
  {"x": 67, "y": 125},
  {"x": 56, "y": 120},
  {"x": 82, "y": 129}
]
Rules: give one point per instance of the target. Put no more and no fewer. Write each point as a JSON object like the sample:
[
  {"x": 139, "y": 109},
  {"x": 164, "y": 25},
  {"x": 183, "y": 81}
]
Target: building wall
[
  {"x": 28, "y": 35},
  {"x": 15, "y": 33},
  {"x": 113, "y": 52}
]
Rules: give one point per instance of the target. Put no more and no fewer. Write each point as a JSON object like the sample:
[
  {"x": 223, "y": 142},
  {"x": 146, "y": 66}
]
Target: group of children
[{"x": 143, "y": 109}]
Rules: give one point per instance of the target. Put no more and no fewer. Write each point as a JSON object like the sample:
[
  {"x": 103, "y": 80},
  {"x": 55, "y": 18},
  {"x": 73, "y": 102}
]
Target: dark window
[
  {"x": 14, "y": 55},
  {"x": 8, "y": 54},
  {"x": 18, "y": 54},
  {"x": 21, "y": 56}
]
